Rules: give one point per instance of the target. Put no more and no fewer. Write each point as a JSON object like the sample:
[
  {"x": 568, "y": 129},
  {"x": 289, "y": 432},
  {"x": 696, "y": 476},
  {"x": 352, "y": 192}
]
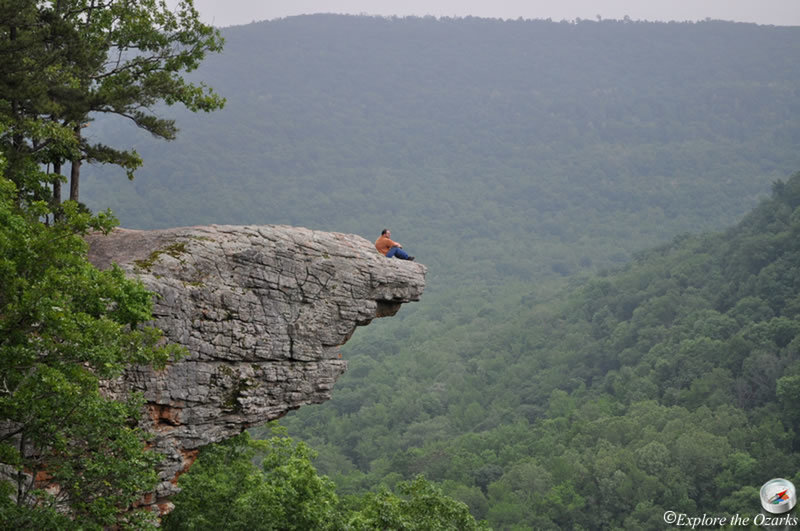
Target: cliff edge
[{"x": 262, "y": 311}]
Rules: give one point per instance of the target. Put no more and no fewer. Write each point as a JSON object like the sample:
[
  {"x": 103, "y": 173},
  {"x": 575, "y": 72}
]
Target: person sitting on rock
[{"x": 389, "y": 248}]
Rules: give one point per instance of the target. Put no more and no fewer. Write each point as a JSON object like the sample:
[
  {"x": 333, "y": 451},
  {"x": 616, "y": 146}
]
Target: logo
[{"x": 778, "y": 496}]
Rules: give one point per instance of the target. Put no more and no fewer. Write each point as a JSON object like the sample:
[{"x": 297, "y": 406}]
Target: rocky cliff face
[{"x": 262, "y": 311}]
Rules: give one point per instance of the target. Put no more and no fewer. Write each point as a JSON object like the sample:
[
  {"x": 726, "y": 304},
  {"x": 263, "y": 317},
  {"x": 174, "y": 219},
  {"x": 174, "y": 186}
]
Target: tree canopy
[
  {"x": 66, "y": 60},
  {"x": 69, "y": 452},
  {"x": 225, "y": 489}
]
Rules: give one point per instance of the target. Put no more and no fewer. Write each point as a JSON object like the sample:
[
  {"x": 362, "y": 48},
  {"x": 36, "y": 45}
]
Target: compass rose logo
[{"x": 778, "y": 496}]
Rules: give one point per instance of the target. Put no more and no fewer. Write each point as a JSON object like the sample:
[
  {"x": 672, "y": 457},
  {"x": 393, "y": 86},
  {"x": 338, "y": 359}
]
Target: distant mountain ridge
[{"x": 589, "y": 140}]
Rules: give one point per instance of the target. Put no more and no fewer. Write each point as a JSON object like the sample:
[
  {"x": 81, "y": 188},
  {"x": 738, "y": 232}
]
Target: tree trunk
[
  {"x": 74, "y": 180},
  {"x": 57, "y": 184},
  {"x": 56, "y": 192},
  {"x": 75, "y": 174}
]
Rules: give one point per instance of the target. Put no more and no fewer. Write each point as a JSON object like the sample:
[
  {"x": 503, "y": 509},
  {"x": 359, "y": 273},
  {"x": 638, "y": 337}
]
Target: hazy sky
[{"x": 778, "y": 12}]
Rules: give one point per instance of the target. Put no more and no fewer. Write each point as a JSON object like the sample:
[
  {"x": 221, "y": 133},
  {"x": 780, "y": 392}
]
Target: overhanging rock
[{"x": 262, "y": 311}]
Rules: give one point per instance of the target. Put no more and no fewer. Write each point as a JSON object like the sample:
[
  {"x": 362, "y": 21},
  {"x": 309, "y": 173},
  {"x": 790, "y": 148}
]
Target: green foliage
[
  {"x": 226, "y": 489},
  {"x": 69, "y": 453},
  {"x": 64, "y": 60},
  {"x": 70, "y": 456},
  {"x": 420, "y": 506}
]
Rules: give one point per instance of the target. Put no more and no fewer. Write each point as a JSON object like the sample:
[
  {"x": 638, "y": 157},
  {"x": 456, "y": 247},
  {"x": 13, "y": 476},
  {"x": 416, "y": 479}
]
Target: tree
[
  {"x": 788, "y": 393},
  {"x": 66, "y": 60},
  {"x": 68, "y": 453},
  {"x": 226, "y": 490},
  {"x": 420, "y": 506}
]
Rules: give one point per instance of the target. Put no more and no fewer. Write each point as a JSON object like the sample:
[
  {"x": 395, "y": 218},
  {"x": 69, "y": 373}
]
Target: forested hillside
[
  {"x": 526, "y": 162},
  {"x": 669, "y": 385}
]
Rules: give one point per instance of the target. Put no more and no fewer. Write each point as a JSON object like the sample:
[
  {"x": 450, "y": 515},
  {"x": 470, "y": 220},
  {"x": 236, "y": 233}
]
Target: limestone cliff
[{"x": 262, "y": 311}]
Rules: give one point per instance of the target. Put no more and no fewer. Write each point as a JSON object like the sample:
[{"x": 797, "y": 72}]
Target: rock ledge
[{"x": 262, "y": 311}]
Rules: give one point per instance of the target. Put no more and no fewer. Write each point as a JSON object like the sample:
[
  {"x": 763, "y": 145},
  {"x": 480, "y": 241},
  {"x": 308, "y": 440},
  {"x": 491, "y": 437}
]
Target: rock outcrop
[{"x": 262, "y": 311}]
